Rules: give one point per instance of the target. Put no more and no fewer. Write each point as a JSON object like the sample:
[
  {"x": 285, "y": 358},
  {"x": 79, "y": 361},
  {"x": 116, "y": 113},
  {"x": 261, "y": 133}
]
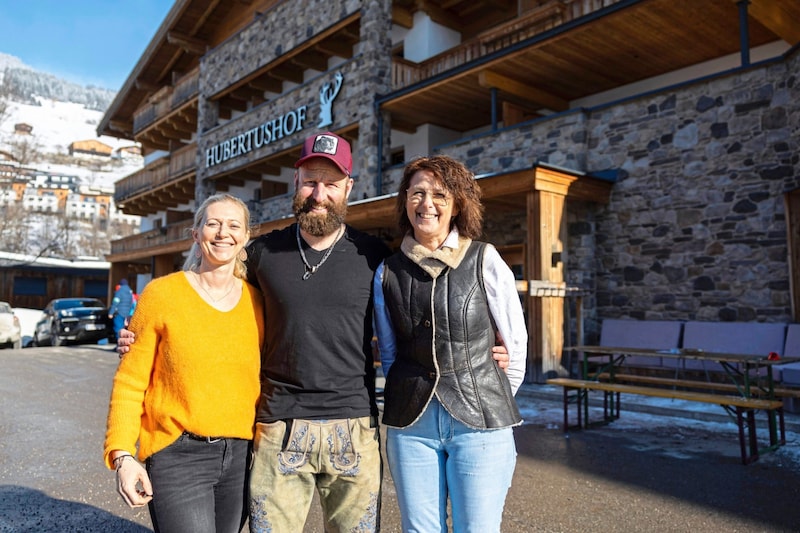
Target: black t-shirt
[{"x": 316, "y": 361}]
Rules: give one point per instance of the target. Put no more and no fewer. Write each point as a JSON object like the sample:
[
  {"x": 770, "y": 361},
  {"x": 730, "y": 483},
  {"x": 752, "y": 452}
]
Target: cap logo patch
[{"x": 325, "y": 144}]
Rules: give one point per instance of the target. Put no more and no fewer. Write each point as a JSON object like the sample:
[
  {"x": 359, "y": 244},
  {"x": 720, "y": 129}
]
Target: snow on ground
[
  {"x": 27, "y": 320},
  {"x": 58, "y": 124}
]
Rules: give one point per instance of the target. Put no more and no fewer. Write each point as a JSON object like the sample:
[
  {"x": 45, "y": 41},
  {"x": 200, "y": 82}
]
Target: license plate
[{"x": 94, "y": 327}]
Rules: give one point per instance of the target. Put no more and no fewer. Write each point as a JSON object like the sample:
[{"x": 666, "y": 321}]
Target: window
[{"x": 30, "y": 286}]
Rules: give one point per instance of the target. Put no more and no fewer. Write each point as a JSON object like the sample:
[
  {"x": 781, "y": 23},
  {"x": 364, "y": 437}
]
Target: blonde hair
[{"x": 192, "y": 260}]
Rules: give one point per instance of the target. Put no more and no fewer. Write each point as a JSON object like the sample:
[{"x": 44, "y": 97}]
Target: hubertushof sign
[
  {"x": 257, "y": 137},
  {"x": 276, "y": 129}
]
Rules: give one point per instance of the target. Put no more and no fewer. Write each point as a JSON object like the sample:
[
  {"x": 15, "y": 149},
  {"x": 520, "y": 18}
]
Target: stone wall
[
  {"x": 695, "y": 228},
  {"x": 366, "y": 74}
]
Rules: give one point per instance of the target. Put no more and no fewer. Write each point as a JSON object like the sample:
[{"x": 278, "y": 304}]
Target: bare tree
[
  {"x": 4, "y": 109},
  {"x": 14, "y": 228},
  {"x": 26, "y": 149}
]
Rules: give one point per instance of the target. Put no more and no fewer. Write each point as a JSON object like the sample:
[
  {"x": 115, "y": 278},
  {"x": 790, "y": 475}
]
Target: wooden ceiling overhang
[{"x": 626, "y": 42}]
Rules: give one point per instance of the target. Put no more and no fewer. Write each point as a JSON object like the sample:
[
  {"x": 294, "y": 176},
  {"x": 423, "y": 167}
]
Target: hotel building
[{"x": 638, "y": 158}]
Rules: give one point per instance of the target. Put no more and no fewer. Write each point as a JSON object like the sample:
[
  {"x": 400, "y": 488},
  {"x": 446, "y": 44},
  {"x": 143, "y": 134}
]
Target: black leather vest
[{"x": 444, "y": 337}]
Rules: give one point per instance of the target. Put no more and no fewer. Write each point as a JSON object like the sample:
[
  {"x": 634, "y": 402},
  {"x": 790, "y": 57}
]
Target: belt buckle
[{"x": 212, "y": 440}]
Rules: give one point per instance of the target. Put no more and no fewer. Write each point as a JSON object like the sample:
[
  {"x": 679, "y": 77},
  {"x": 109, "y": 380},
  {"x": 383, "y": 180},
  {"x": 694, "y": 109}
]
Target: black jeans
[{"x": 199, "y": 486}]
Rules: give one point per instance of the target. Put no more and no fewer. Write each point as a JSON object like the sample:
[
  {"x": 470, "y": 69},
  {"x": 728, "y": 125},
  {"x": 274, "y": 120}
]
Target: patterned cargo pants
[{"x": 339, "y": 458}]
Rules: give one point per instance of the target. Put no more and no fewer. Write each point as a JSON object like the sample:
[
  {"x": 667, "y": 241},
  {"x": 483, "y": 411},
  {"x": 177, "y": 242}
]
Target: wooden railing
[
  {"x": 156, "y": 174},
  {"x": 166, "y": 100},
  {"x": 529, "y": 24},
  {"x": 155, "y": 237}
]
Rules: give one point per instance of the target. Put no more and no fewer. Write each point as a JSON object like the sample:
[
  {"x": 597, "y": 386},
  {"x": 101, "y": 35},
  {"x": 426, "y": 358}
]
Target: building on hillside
[
  {"x": 128, "y": 152},
  {"x": 31, "y": 282},
  {"x": 50, "y": 180},
  {"x": 641, "y": 152},
  {"x": 22, "y": 128},
  {"x": 90, "y": 147}
]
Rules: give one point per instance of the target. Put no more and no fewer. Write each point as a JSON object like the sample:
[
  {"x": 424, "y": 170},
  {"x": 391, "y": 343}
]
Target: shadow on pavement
[
  {"x": 645, "y": 480},
  {"x": 26, "y": 509}
]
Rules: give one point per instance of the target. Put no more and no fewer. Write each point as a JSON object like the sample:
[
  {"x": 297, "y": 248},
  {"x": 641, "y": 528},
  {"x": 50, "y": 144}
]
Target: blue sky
[{"x": 94, "y": 42}]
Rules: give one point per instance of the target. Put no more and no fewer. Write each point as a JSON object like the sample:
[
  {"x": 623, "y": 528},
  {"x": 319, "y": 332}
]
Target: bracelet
[{"x": 119, "y": 460}]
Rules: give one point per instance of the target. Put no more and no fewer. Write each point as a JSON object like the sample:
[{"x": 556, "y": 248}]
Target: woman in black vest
[{"x": 439, "y": 304}]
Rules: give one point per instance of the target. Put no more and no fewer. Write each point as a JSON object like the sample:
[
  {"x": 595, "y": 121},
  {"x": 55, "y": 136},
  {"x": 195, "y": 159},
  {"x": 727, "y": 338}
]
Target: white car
[{"x": 10, "y": 330}]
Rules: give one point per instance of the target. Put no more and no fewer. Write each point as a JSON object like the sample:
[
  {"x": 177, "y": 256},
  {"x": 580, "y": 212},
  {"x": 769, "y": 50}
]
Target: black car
[{"x": 73, "y": 321}]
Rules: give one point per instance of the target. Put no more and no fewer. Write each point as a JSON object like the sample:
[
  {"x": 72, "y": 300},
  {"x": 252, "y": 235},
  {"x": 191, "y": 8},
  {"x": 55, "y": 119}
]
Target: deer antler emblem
[{"x": 326, "y": 96}]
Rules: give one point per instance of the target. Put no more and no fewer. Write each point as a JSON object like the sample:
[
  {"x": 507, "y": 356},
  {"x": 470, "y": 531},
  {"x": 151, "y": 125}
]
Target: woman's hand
[{"x": 133, "y": 483}]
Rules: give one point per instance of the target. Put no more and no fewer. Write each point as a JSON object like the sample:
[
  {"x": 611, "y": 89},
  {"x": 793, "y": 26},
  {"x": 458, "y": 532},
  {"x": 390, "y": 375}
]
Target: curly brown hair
[{"x": 456, "y": 179}]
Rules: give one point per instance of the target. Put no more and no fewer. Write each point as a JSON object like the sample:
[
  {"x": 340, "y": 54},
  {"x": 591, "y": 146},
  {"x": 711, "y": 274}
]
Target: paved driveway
[{"x": 645, "y": 473}]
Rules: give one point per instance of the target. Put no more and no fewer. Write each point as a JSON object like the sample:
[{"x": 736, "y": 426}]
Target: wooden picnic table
[{"x": 751, "y": 387}]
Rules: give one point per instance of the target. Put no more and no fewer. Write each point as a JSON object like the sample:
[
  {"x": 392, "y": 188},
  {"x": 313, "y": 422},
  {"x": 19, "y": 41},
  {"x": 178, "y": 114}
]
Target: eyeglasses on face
[{"x": 417, "y": 196}]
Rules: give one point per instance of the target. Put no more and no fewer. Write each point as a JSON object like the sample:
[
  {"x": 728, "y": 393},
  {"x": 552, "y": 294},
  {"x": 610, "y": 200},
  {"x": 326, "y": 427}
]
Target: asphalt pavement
[{"x": 650, "y": 471}]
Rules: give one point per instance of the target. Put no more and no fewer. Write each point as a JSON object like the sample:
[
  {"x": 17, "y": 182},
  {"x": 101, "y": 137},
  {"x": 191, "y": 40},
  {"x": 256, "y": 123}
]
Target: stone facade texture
[{"x": 696, "y": 226}]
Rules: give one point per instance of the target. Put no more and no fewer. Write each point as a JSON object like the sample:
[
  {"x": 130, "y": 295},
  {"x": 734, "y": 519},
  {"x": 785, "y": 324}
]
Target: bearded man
[{"x": 317, "y": 421}]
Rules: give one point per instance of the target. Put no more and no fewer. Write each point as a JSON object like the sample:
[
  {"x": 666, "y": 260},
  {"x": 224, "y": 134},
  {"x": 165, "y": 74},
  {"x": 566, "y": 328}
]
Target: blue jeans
[
  {"x": 199, "y": 486},
  {"x": 437, "y": 457},
  {"x": 119, "y": 323}
]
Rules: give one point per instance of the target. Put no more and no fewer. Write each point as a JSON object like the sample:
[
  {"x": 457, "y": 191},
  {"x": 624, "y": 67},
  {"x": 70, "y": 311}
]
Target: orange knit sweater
[{"x": 192, "y": 368}]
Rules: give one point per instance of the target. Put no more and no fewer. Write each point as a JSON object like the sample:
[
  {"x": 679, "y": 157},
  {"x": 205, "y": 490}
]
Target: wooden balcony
[
  {"x": 165, "y": 183},
  {"x": 166, "y": 239},
  {"x": 170, "y": 114},
  {"x": 534, "y": 21}
]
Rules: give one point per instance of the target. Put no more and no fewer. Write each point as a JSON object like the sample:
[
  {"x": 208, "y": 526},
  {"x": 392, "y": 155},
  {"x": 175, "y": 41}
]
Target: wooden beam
[
  {"x": 266, "y": 83},
  {"x": 190, "y": 45},
  {"x": 287, "y": 72},
  {"x": 144, "y": 85},
  {"x": 403, "y": 17},
  {"x": 783, "y": 20},
  {"x": 336, "y": 48},
  {"x": 316, "y": 61},
  {"x": 489, "y": 80}
]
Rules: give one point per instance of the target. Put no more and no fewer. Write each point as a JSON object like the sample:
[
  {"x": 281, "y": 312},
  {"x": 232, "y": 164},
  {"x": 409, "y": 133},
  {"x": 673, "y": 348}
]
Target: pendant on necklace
[{"x": 309, "y": 271}]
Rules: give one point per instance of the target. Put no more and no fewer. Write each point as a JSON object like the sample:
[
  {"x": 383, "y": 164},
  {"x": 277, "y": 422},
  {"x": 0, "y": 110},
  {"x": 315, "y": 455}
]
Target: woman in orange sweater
[{"x": 188, "y": 389}]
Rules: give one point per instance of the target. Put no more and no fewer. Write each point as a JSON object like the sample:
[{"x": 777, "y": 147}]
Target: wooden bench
[
  {"x": 744, "y": 408},
  {"x": 779, "y": 392}
]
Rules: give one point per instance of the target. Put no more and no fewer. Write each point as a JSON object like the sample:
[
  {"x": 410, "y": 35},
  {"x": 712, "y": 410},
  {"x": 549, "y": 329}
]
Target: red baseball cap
[{"x": 330, "y": 146}]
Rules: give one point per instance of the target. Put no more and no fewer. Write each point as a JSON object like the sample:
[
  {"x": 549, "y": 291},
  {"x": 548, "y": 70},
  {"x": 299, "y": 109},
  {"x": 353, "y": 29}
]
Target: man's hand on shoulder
[{"x": 124, "y": 340}]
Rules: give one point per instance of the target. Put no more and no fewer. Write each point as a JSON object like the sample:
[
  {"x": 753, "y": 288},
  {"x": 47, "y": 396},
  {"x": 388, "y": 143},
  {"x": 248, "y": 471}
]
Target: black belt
[{"x": 210, "y": 440}]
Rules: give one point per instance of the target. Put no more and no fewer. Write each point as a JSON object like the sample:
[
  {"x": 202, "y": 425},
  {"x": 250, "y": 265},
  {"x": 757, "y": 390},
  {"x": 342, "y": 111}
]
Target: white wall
[{"x": 426, "y": 39}]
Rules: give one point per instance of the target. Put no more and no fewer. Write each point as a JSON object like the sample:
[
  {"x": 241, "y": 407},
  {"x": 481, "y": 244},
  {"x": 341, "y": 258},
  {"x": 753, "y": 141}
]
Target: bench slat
[
  {"x": 718, "y": 399},
  {"x": 695, "y": 384}
]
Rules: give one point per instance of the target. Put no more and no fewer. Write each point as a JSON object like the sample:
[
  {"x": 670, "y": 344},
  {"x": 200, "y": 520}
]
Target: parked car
[
  {"x": 73, "y": 321},
  {"x": 10, "y": 330}
]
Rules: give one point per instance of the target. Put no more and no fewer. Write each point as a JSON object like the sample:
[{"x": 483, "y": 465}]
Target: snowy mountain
[
  {"x": 24, "y": 84},
  {"x": 60, "y": 113}
]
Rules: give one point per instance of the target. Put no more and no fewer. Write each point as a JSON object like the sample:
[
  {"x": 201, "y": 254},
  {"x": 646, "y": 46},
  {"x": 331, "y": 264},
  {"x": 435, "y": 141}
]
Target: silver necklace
[
  {"x": 214, "y": 300},
  {"x": 309, "y": 270}
]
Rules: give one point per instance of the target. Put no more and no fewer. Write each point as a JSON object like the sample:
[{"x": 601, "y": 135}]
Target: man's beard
[{"x": 319, "y": 225}]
